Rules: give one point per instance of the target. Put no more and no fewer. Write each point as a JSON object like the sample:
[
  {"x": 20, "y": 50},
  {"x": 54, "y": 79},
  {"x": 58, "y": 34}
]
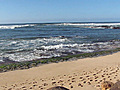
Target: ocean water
[{"x": 26, "y": 42}]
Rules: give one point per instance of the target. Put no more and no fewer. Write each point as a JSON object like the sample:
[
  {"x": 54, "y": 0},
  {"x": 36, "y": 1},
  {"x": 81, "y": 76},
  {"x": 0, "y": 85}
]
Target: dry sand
[{"x": 82, "y": 74}]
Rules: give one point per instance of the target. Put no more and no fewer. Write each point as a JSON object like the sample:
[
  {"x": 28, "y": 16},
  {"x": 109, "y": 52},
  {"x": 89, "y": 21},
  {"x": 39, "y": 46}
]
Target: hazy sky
[{"x": 12, "y": 11}]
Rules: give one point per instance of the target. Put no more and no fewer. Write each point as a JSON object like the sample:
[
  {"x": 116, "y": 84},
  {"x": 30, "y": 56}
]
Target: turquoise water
[{"x": 25, "y": 42}]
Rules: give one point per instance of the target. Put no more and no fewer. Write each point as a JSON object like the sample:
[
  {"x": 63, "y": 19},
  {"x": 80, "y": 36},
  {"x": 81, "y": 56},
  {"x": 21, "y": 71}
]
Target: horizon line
[{"x": 62, "y": 22}]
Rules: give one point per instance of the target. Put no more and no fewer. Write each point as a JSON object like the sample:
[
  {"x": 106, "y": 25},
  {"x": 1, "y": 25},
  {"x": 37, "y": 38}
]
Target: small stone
[
  {"x": 97, "y": 85},
  {"x": 104, "y": 78},
  {"x": 81, "y": 77},
  {"x": 95, "y": 80},
  {"x": 40, "y": 86},
  {"x": 61, "y": 84},
  {"x": 91, "y": 80},
  {"x": 23, "y": 87},
  {"x": 69, "y": 80},
  {"x": 60, "y": 81},
  {"x": 102, "y": 75},
  {"x": 84, "y": 82},
  {"x": 34, "y": 85},
  {"x": 73, "y": 78},
  {"x": 30, "y": 87},
  {"x": 73, "y": 81},
  {"x": 52, "y": 79},
  {"x": 100, "y": 80},
  {"x": 80, "y": 85},
  {"x": 87, "y": 76},
  {"x": 71, "y": 87},
  {"x": 96, "y": 77},
  {"x": 89, "y": 83},
  {"x": 45, "y": 84},
  {"x": 34, "y": 82},
  {"x": 10, "y": 89},
  {"x": 53, "y": 83}
]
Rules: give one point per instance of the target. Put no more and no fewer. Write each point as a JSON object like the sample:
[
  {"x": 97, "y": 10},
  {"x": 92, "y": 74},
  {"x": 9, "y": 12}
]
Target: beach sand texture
[{"x": 82, "y": 74}]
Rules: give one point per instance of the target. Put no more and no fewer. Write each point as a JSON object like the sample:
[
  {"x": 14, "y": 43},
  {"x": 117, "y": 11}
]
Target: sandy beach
[{"x": 82, "y": 74}]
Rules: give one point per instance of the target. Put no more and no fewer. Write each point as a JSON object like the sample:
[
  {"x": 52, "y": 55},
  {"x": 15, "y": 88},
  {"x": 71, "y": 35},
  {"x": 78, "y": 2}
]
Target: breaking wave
[
  {"x": 93, "y": 25},
  {"x": 88, "y": 24},
  {"x": 14, "y": 26},
  {"x": 35, "y": 41},
  {"x": 83, "y": 25},
  {"x": 35, "y": 50}
]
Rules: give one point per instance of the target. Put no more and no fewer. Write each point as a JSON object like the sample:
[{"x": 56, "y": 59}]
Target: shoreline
[
  {"x": 81, "y": 74},
  {"x": 11, "y": 66}
]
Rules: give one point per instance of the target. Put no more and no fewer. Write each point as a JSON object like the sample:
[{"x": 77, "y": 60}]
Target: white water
[
  {"x": 65, "y": 24},
  {"x": 58, "y": 41},
  {"x": 14, "y": 26},
  {"x": 88, "y": 24},
  {"x": 57, "y": 50}
]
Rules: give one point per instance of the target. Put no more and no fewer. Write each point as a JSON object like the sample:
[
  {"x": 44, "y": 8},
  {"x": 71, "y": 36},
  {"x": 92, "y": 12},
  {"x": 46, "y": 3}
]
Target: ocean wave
[
  {"x": 30, "y": 44},
  {"x": 15, "y": 26},
  {"x": 1, "y": 59},
  {"x": 28, "y": 53},
  {"x": 88, "y": 24},
  {"x": 92, "y": 25}
]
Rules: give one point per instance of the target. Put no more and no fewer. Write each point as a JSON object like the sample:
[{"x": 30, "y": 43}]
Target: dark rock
[
  {"x": 53, "y": 83},
  {"x": 107, "y": 85},
  {"x": 115, "y": 27},
  {"x": 58, "y": 88},
  {"x": 71, "y": 86},
  {"x": 116, "y": 86}
]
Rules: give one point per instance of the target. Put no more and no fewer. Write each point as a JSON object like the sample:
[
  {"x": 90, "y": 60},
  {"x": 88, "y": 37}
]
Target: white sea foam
[
  {"x": 30, "y": 44},
  {"x": 88, "y": 24},
  {"x": 14, "y": 26},
  {"x": 65, "y": 24},
  {"x": 59, "y": 46},
  {"x": 57, "y": 50},
  {"x": 28, "y": 56},
  {"x": 1, "y": 60}
]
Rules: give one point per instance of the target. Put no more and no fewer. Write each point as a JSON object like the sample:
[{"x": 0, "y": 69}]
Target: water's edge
[{"x": 29, "y": 64}]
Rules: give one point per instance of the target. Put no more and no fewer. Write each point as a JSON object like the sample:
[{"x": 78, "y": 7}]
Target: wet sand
[{"x": 82, "y": 74}]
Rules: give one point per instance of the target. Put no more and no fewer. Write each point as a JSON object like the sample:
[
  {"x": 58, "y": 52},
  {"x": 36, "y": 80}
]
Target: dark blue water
[{"x": 24, "y": 42}]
